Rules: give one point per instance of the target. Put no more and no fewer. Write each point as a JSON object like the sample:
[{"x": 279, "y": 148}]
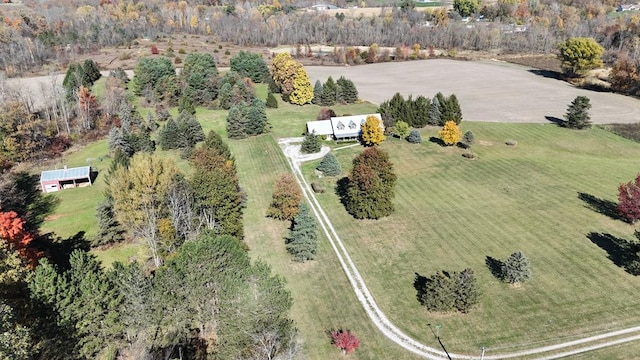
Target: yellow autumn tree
[
  {"x": 372, "y": 131},
  {"x": 450, "y": 133},
  {"x": 302, "y": 89},
  {"x": 284, "y": 70}
]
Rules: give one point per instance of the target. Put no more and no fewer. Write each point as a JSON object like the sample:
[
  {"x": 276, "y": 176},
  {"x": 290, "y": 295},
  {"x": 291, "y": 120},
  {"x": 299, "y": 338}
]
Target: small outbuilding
[{"x": 59, "y": 179}]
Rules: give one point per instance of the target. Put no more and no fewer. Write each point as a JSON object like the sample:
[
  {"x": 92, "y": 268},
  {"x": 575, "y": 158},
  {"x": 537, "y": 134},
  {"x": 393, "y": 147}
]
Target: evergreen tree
[
  {"x": 347, "y": 90},
  {"x": 420, "y": 109},
  {"x": 329, "y": 93},
  {"x": 169, "y": 135},
  {"x": 271, "y": 103},
  {"x": 466, "y": 290},
  {"x": 91, "y": 73},
  {"x": 577, "y": 116},
  {"x": 302, "y": 241},
  {"x": 438, "y": 293},
  {"x": 189, "y": 130},
  {"x": 414, "y": 137},
  {"x": 451, "y": 110},
  {"x": 225, "y": 99},
  {"x": 109, "y": 229},
  {"x": 142, "y": 141},
  {"x": 237, "y": 122},
  {"x": 214, "y": 141},
  {"x": 186, "y": 104},
  {"x": 311, "y": 144},
  {"x": 516, "y": 269},
  {"x": 251, "y": 65},
  {"x": 468, "y": 138},
  {"x": 329, "y": 166},
  {"x": 317, "y": 93},
  {"x": 256, "y": 118},
  {"x": 435, "y": 113},
  {"x": 199, "y": 75},
  {"x": 119, "y": 140}
]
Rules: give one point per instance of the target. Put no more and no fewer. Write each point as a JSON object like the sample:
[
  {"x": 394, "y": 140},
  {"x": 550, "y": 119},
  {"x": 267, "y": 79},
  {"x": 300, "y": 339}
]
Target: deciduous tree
[
  {"x": 371, "y": 185},
  {"x": 138, "y": 194},
  {"x": 450, "y": 133},
  {"x": 345, "y": 340},
  {"x": 302, "y": 90},
  {"x": 579, "y": 54},
  {"x": 629, "y": 200},
  {"x": 372, "y": 131},
  {"x": 286, "y": 198}
]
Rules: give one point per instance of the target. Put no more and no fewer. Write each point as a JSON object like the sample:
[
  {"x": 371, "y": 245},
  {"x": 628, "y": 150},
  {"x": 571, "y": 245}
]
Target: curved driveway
[{"x": 487, "y": 91}]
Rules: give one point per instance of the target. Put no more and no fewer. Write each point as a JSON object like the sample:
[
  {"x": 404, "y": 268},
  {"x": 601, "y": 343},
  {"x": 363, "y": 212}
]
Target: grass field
[{"x": 452, "y": 213}]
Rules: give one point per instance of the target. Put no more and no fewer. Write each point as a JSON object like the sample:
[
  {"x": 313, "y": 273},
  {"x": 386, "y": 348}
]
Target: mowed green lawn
[{"x": 451, "y": 213}]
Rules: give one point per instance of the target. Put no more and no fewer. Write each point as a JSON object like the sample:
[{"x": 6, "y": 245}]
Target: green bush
[
  {"x": 272, "y": 102},
  {"x": 250, "y": 65},
  {"x": 311, "y": 144}
]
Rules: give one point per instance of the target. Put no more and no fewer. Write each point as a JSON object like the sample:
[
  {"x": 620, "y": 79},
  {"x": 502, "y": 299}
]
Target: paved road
[
  {"x": 487, "y": 91},
  {"x": 379, "y": 319}
]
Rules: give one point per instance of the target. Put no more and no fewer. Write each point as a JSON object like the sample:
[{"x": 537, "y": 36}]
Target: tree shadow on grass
[
  {"x": 602, "y": 206},
  {"x": 621, "y": 252},
  {"x": 495, "y": 266},
  {"x": 555, "y": 120},
  {"x": 420, "y": 284},
  {"x": 342, "y": 185},
  {"x": 436, "y": 140}
]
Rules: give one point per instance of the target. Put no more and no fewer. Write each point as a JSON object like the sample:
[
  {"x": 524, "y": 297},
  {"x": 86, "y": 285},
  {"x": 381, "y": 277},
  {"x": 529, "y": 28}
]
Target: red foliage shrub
[
  {"x": 629, "y": 200},
  {"x": 59, "y": 144},
  {"x": 345, "y": 340},
  {"x": 154, "y": 50},
  {"x": 325, "y": 114},
  {"x": 13, "y": 232}
]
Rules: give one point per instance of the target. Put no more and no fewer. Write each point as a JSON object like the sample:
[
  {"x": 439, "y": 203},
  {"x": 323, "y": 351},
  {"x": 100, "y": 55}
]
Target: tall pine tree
[{"x": 302, "y": 241}]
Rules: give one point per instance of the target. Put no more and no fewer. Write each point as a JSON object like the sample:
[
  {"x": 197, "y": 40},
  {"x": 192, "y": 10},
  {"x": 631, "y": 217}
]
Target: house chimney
[{"x": 65, "y": 167}]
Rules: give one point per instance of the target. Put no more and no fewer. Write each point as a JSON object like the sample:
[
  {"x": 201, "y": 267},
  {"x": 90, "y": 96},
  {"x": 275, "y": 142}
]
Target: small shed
[
  {"x": 59, "y": 179},
  {"x": 320, "y": 127}
]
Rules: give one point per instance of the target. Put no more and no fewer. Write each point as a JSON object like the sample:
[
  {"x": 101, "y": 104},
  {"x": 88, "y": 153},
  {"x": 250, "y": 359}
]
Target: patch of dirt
[
  {"x": 485, "y": 143},
  {"x": 52, "y": 217},
  {"x": 542, "y": 62}
]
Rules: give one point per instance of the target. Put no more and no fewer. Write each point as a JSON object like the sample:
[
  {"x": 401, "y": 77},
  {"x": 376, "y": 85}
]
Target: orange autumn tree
[{"x": 12, "y": 230}]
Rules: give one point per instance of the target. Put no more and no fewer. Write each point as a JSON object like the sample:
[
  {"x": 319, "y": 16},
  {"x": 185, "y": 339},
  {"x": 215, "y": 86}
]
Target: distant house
[
  {"x": 320, "y": 7},
  {"x": 59, "y": 179},
  {"x": 628, "y": 7},
  {"x": 340, "y": 128}
]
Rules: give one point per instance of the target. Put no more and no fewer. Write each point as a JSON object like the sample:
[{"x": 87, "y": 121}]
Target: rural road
[
  {"x": 291, "y": 149},
  {"x": 490, "y": 91}
]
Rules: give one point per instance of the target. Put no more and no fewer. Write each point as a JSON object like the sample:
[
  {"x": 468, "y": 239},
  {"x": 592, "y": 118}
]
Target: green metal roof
[{"x": 66, "y": 174}]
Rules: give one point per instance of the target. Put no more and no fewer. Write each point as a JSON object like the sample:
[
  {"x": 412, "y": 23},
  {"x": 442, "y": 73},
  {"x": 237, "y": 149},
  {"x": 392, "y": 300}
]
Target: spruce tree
[
  {"x": 214, "y": 141},
  {"x": 168, "y": 137},
  {"x": 577, "y": 116},
  {"x": 271, "y": 103},
  {"x": 109, "y": 229},
  {"x": 435, "y": 113},
  {"x": 414, "y": 137},
  {"x": 329, "y": 93},
  {"x": 225, "y": 98},
  {"x": 256, "y": 118},
  {"x": 451, "y": 110},
  {"x": 466, "y": 290},
  {"x": 119, "y": 140},
  {"x": 186, "y": 104},
  {"x": 516, "y": 268},
  {"x": 347, "y": 90},
  {"x": 190, "y": 130},
  {"x": 311, "y": 144},
  {"x": 317, "y": 93},
  {"x": 302, "y": 241},
  {"x": 420, "y": 108},
  {"x": 237, "y": 122},
  {"x": 329, "y": 166}
]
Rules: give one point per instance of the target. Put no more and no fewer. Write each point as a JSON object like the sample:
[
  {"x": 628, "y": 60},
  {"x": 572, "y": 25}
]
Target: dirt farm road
[{"x": 490, "y": 91}]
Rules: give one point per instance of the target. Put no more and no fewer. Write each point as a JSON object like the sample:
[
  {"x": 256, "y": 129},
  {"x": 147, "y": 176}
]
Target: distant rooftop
[{"x": 66, "y": 174}]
